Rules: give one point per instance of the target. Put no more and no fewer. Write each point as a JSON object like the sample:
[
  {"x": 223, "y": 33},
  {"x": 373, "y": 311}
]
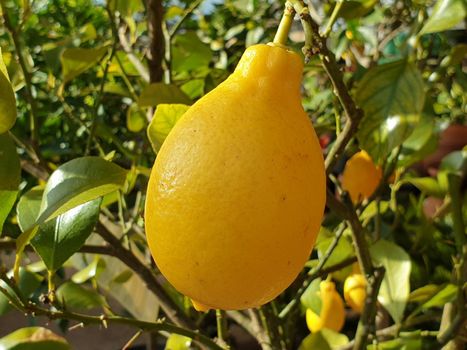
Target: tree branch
[
  {"x": 33, "y": 309},
  {"x": 157, "y": 46}
]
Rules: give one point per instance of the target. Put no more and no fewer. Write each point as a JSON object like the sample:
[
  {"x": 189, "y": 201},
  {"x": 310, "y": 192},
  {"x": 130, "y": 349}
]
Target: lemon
[
  {"x": 237, "y": 192},
  {"x": 332, "y": 313},
  {"x": 355, "y": 291},
  {"x": 361, "y": 176}
]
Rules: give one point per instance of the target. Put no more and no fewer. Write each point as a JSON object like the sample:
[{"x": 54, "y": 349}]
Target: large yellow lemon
[
  {"x": 355, "y": 291},
  {"x": 237, "y": 192}
]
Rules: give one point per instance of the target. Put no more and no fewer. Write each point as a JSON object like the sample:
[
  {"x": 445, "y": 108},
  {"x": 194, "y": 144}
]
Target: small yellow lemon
[
  {"x": 361, "y": 176},
  {"x": 332, "y": 313},
  {"x": 237, "y": 192},
  {"x": 355, "y": 292}
]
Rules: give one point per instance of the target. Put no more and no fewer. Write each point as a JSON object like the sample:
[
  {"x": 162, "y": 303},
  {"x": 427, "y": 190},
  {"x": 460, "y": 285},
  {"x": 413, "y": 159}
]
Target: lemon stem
[{"x": 285, "y": 24}]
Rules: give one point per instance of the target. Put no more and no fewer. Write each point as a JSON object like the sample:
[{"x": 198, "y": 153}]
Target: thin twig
[
  {"x": 139, "y": 66},
  {"x": 31, "y": 308}
]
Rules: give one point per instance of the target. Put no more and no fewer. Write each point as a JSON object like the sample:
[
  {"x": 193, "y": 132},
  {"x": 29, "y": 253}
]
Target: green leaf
[
  {"x": 28, "y": 207},
  {"x": 7, "y": 100},
  {"x": 76, "y": 61},
  {"x": 193, "y": 88},
  {"x": 421, "y": 142},
  {"x": 395, "y": 288},
  {"x": 310, "y": 299},
  {"x": 424, "y": 293},
  {"x": 72, "y": 184},
  {"x": 407, "y": 341},
  {"x": 342, "y": 251},
  {"x": 455, "y": 162},
  {"x": 442, "y": 297},
  {"x": 28, "y": 283},
  {"x": 126, "y": 8},
  {"x": 75, "y": 297},
  {"x": 60, "y": 238},
  {"x": 392, "y": 96},
  {"x": 135, "y": 118},
  {"x": 164, "y": 119},
  {"x": 9, "y": 159},
  {"x": 91, "y": 271},
  {"x": 178, "y": 342},
  {"x": 79, "y": 181},
  {"x": 356, "y": 8},
  {"x": 427, "y": 185},
  {"x": 315, "y": 341},
  {"x": 446, "y": 14},
  {"x": 7, "y": 198},
  {"x": 157, "y": 93},
  {"x": 33, "y": 338},
  {"x": 190, "y": 53}
]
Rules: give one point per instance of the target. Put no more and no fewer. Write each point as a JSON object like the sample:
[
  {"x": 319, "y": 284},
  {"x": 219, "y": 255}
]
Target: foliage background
[{"x": 88, "y": 76}]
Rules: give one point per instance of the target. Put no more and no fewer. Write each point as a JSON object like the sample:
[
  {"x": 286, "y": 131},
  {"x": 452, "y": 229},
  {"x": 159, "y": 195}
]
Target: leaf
[
  {"x": 455, "y": 162},
  {"x": 72, "y": 184},
  {"x": 310, "y": 298},
  {"x": 9, "y": 159},
  {"x": 392, "y": 96},
  {"x": 60, "y": 238},
  {"x": 7, "y": 100},
  {"x": 76, "y": 61},
  {"x": 190, "y": 53},
  {"x": 315, "y": 341},
  {"x": 428, "y": 185},
  {"x": 91, "y": 271},
  {"x": 131, "y": 291},
  {"x": 446, "y": 14},
  {"x": 8, "y": 199},
  {"x": 157, "y": 93},
  {"x": 164, "y": 119},
  {"x": 75, "y": 297},
  {"x": 77, "y": 182},
  {"x": 442, "y": 297},
  {"x": 135, "y": 118},
  {"x": 424, "y": 293},
  {"x": 342, "y": 251},
  {"x": 421, "y": 142},
  {"x": 395, "y": 288},
  {"x": 28, "y": 207},
  {"x": 178, "y": 342},
  {"x": 33, "y": 338},
  {"x": 407, "y": 341},
  {"x": 28, "y": 283}
]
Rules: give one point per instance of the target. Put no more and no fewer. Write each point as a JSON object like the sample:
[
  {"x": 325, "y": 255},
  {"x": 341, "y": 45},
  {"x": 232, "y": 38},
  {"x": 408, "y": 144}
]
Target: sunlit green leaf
[
  {"x": 310, "y": 299},
  {"x": 164, "y": 119},
  {"x": 135, "y": 118},
  {"x": 190, "y": 53},
  {"x": 158, "y": 93},
  {"x": 395, "y": 288},
  {"x": 315, "y": 341},
  {"x": 77, "y": 60},
  {"x": 91, "y": 271},
  {"x": 446, "y": 14},
  {"x": 33, "y": 338},
  {"x": 392, "y": 96},
  {"x": 7, "y": 100},
  {"x": 178, "y": 342}
]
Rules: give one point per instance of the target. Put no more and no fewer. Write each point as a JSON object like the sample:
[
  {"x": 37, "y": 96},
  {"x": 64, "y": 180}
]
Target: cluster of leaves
[{"x": 73, "y": 75}]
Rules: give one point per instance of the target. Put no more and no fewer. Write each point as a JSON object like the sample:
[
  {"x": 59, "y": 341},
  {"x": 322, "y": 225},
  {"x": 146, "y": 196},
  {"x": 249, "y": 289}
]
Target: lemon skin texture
[
  {"x": 332, "y": 313},
  {"x": 237, "y": 192},
  {"x": 361, "y": 176},
  {"x": 355, "y": 292}
]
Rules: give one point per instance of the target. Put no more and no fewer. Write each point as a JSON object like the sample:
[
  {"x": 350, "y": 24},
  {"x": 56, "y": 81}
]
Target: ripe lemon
[
  {"x": 332, "y": 313},
  {"x": 361, "y": 176},
  {"x": 237, "y": 192},
  {"x": 355, "y": 292}
]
